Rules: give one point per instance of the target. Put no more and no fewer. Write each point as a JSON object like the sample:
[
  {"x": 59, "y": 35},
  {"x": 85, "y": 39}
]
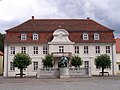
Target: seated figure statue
[{"x": 63, "y": 62}]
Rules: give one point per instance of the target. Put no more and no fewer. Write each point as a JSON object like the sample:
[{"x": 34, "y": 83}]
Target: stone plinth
[{"x": 64, "y": 72}]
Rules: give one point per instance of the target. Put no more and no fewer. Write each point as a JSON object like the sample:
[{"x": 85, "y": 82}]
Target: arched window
[
  {"x": 23, "y": 37},
  {"x": 85, "y": 36}
]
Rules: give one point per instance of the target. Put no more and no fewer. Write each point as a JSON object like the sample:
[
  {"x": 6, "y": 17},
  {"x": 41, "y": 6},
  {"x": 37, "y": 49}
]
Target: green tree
[
  {"x": 103, "y": 61},
  {"x": 76, "y": 61},
  {"x": 47, "y": 61},
  {"x": 2, "y": 37},
  {"x": 21, "y": 60}
]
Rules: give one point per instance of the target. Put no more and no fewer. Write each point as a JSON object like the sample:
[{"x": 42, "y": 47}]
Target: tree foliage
[
  {"x": 2, "y": 37},
  {"x": 21, "y": 60},
  {"x": 103, "y": 61},
  {"x": 47, "y": 61},
  {"x": 76, "y": 61}
]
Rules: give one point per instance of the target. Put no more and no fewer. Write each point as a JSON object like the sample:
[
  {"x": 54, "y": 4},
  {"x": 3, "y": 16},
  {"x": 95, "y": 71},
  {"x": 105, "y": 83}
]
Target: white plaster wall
[
  {"x": 29, "y": 50},
  {"x": 92, "y": 55},
  {"x": 5, "y": 61},
  {"x": 118, "y": 60},
  {"x": 118, "y": 57},
  {"x": 54, "y": 48}
]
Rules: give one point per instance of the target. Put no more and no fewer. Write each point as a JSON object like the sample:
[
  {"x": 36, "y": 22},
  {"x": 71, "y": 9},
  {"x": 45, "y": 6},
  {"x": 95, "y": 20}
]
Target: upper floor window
[
  {"x": 96, "y": 36},
  {"x": 23, "y": 36},
  {"x": 85, "y": 49},
  {"x": 97, "y": 49},
  {"x": 85, "y": 36},
  {"x": 107, "y": 49},
  {"x": 45, "y": 50},
  {"x": 12, "y": 50},
  {"x": 76, "y": 49},
  {"x": 23, "y": 49},
  {"x": 35, "y": 36},
  {"x": 35, "y": 50},
  {"x": 61, "y": 49}
]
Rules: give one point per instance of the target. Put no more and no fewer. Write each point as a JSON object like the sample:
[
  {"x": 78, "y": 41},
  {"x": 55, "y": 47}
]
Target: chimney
[
  {"x": 32, "y": 17},
  {"x": 88, "y": 18}
]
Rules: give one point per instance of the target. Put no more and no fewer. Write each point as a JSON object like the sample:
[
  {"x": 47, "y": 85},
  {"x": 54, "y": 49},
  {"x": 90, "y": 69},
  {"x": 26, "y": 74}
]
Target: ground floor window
[
  {"x": 12, "y": 68},
  {"x": 35, "y": 65},
  {"x": 86, "y": 63},
  {"x": 118, "y": 67}
]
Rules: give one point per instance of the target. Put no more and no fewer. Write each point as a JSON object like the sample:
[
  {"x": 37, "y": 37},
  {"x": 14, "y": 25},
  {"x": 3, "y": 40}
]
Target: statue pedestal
[{"x": 64, "y": 72}]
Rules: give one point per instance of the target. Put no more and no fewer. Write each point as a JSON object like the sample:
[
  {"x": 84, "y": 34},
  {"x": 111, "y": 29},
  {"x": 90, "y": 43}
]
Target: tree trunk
[
  {"x": 21, "y": 72},
  {"x": 102, "y": 71}
]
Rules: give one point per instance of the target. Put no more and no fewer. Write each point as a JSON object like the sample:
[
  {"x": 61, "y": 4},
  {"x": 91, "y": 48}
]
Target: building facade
[
  {"x": 59, "y": 37},
  {"x": 1, "y": 63},
  {"x": 118, "y": 55}
]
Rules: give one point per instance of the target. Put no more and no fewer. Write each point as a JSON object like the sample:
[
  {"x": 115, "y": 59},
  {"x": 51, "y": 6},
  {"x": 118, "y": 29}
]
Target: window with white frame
[
  {"x": 61, "y": 49},
  {"x": 45, "y": 49},
  {"x": 35, "y": 36},
  {"x": 96, "y": 36},
  {"x": 12, "y": 50},
  {"x": 107, "y": 49},
  {"x": 97, "y": 49},
  {"x": 85, "y": 36},
  {"x": 23, "y": 49},
  {"x": 85, "y": 49},
  {"x": 35, "y": 65},
  {"x": 23, "y": 36},
  {"x": 76, "y": 49},
  {"x": 35, "y": 50},
  {"x": 86, "y": 63},
  {"x": 12, "y": 68}
]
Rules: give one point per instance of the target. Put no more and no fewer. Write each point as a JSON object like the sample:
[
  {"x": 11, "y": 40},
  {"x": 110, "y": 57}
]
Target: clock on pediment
[{"x": 60, "y": 35}]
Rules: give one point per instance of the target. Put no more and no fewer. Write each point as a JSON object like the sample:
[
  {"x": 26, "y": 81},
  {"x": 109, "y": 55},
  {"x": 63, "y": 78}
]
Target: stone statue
[{"x": 63, "y": 62}]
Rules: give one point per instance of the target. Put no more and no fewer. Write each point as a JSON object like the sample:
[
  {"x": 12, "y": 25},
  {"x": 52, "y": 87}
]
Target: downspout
[
  {"x": 112, "y": 61},
  {"x": 7, "y": 62}
]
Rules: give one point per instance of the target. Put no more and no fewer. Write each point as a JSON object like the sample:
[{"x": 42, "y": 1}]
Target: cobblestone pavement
[{"x": 93, "y": 83}]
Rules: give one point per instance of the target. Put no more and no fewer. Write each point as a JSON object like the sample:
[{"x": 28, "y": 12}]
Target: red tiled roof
[
  {"x": 118, "y": 45},
  {"x": 53, "y": 24},
  {"x": 1, "y": 54},
  {"x": 46, "y": 27}
]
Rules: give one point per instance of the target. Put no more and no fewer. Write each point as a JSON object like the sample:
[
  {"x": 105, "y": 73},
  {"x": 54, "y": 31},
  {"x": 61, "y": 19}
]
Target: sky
[{"x": 15, "y": 12}]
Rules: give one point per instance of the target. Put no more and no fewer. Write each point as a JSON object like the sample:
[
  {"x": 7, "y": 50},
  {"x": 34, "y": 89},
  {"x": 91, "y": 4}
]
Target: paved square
[{"x": 94, "y": 83}]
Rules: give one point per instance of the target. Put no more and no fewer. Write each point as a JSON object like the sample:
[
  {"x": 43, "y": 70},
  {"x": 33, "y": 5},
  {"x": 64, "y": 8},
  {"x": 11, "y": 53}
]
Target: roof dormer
[
  {"x": 85, "y": 36},
  {"x": 96, "y": 36},
  {"x": 23, "y": 36},
  {"x": 35, "y": 36}
]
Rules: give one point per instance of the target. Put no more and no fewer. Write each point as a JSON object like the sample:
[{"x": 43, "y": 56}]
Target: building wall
[
  {"x": 92, "y": 55},
  {"x": 1, "y": 64},
  {"x": 54, "y": 48},
  {"x": 118, "y": 62}
]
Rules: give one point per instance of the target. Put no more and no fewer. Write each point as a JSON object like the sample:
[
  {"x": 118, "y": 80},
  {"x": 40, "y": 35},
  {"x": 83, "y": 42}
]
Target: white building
[
  {"x": 118, "y": 55},
  {"x": 38, "y": 37}
]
